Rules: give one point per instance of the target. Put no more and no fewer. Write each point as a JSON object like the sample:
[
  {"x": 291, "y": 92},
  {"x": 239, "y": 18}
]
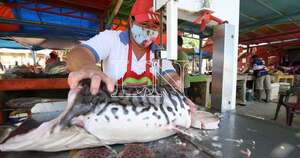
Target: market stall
[{"x": 216, "y": 83}]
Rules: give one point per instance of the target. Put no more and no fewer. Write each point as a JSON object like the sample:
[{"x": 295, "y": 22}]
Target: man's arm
[
  {"x": 80, "y": 57},
  {"x": 246, "y": 69},
  {"x": 82, "y": 64},
  {"x": 186, "y": 50}
]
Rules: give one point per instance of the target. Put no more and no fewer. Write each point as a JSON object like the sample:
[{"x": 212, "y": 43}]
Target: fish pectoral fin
[
  {"x": 205, "y": 120},
  {"x": 192, "y": 107},
  {"x": 182, "y": 130},
  {"x": 59, "y": 121},
  {"x": 78, "y": 121},
  {"x": 54, "y": 124},
  {"x": 178, "y": 129}
]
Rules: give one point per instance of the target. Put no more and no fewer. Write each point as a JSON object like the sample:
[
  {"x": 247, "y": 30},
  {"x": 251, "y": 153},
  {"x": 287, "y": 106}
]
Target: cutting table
[{"x": 238, "y": 136}]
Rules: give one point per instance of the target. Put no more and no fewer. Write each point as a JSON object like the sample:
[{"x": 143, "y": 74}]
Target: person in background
[
  {"x": 182, "y": 64},
  {"x": 1, "y": 67},
  {"x": 52, "y": 61},
  {"x": 262, "y": 78},
  {"x": 296, "y": 69},
  {"x": 53, "y": 58}
]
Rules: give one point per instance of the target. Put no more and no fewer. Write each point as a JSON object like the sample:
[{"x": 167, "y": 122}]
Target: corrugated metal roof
[
  {"x": 67, "y": 19},
  {"x": 269, "y": 21},
  {"x": 260, "y": 20}
]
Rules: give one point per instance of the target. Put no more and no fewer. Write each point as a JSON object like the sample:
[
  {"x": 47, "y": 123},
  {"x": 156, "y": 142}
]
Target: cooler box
[{"x": 284, "y": 86}]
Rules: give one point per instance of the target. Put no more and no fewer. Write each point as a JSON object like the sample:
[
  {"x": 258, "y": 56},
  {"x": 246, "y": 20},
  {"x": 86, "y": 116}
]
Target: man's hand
[
  {"x": 82, "y": 64},
  {"x": 93, "y": 73}
]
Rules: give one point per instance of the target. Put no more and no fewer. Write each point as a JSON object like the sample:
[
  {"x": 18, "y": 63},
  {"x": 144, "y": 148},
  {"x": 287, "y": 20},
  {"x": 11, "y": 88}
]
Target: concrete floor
[{"x": 267, "y": 111}]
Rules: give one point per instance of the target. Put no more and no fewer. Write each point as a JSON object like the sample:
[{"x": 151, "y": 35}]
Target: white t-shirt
[{"x": 112, "y": 47}]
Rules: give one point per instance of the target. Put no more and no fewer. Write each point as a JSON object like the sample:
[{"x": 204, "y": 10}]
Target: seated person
[{"x": 52, "y": 61}]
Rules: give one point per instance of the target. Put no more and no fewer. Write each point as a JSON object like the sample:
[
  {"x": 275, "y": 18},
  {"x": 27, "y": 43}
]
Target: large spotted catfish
[{"x": 103, "y": 119}]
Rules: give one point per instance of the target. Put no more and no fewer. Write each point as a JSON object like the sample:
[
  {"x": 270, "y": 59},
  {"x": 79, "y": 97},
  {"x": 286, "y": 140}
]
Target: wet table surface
[{"x": 238, "y": 136}]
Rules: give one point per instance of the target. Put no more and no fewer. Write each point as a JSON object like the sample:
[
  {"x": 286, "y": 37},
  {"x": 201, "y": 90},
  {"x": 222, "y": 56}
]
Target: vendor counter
[
  {"x": 200, "y": 89},
  {"x": 241, "y": 87},
  {"x": 246, "y": 81},
  {"x": 33, "y": 84},
  {"x": 238, "y": 137},
  {"x": 14, "y": 88}
]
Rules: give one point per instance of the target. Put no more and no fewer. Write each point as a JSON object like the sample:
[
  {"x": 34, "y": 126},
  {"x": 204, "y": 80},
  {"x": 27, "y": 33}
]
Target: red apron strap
[
  {"x": 129, "y": 63},
  {"x": 148, "y": 63},
  {"x": 129, "y": 57}
]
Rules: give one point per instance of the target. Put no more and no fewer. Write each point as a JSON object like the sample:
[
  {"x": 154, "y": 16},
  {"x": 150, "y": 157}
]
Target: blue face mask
[{"x": 143, "y": 36}]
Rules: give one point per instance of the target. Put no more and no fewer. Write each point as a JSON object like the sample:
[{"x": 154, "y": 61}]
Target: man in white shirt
[{"x": 127, "y": 56}]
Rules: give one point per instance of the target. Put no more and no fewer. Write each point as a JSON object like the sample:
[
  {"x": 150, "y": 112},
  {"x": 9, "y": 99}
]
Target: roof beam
[
  {"x": 269, "y": 20},
  {"x": 276, "y": 11},
  {"x": 95, "y": 5},
  {"x": 264, "y": 4},
  {"x": 256, "y": 19},
  {"x": 247, "y": 16},
  {"x": 271, "y": 37},
  {"x": 47, "y": 25},
  {"x": 282, "y": 44},
  {"x": 50, "y": 36}
]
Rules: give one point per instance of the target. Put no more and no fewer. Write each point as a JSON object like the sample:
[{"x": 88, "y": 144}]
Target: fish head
[{"x": 81, "y": 102}]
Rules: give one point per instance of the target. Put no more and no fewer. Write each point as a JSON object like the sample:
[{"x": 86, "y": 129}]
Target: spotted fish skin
[
  {"x": 115, "y": 119},
  {"x": 102, "y": 119}
]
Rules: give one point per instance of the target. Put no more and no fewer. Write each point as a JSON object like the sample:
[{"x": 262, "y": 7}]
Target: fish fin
[
  {"x": 71, "y": 100},
  {"x": 192, "y": 106},
  {"x": 182, "y": 130},
  {"x": 77, "y": 121},
  {"x": 196, "y": 121},
  {"x": 178, "y": 129},
  {"x": 205, "y": 120}
]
